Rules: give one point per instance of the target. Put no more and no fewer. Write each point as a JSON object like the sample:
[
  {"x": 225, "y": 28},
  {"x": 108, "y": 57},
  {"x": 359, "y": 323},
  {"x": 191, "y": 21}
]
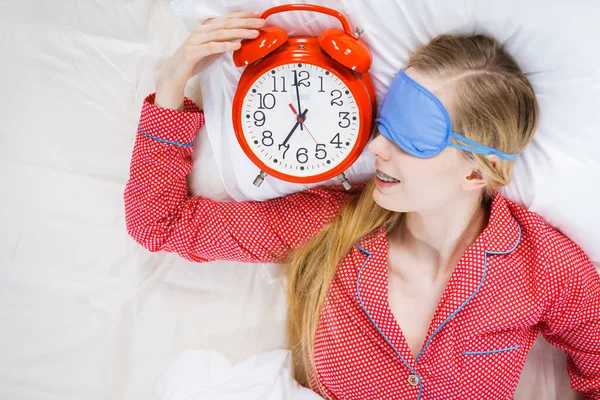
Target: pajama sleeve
[
  {"x": 571, "y": 320},
  {"x": 161, "y": 216}
]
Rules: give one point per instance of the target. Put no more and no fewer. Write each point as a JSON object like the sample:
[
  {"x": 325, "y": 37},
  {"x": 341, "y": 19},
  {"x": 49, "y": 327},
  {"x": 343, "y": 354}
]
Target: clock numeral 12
[{"x": 301, "y": 78}]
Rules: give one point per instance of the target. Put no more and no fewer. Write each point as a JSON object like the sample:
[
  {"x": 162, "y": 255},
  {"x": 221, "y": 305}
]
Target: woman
[{"x": 431, "y": 287}]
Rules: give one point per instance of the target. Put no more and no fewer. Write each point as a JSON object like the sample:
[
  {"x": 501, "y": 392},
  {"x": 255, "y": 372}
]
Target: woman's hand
[{"x": 211, "y": 38}]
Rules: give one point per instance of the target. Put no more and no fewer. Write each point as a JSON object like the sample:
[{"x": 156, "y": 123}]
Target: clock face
[{"x": 301, "y": 129}]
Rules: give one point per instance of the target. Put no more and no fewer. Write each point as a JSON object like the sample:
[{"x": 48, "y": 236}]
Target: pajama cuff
[{"x": 170, "y": 126}]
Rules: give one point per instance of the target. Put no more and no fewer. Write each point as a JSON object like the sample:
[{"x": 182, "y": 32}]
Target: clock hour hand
[
  {"x": 298, "y": 122},
  {"x": 298, "y": 96},
  {"x": 299, "y": 117}
]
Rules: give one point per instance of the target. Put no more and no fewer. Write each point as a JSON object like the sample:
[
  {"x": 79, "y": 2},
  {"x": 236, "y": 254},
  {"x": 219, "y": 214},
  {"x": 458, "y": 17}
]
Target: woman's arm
[
  {"x": 571, "y": 321},
  {"x": 161, "y": 215}
]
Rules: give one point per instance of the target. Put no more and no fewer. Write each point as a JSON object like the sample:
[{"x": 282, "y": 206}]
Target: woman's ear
[
  {"x": 493, "y": 160},
  {"x": 473, "y": 181}
]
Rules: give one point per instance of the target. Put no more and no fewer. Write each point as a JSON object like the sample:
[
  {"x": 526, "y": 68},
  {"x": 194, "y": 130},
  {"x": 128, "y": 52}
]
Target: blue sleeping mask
[{"x": 417, "y": 121}]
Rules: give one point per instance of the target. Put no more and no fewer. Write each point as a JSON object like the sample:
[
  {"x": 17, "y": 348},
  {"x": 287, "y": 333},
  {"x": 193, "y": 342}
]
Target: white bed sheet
[{"x": 85, "y": 313}]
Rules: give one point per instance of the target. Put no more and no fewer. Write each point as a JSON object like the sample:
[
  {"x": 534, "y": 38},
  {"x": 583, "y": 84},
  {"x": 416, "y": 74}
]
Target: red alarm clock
[{"x": 304, "y": 106}]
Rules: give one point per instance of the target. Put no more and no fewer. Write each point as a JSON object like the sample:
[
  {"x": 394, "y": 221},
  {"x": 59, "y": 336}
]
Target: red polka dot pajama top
[{"x": 518, "y": 279}]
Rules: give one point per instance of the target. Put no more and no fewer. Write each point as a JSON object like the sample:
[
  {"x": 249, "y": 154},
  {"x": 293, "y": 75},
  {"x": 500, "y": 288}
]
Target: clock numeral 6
[
  {"x": 259, "y": 118},
  {"x": 268, "y": 137},
  {"x": 321, "y": 151},
  {"x": 344, "y": 116},
  {"x": 302, "y": 152}
]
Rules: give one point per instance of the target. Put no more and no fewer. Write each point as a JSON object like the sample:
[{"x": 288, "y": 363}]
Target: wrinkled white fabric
[
  {"x": 207, "y": 375},
  {"x": 86, "y": 313}
]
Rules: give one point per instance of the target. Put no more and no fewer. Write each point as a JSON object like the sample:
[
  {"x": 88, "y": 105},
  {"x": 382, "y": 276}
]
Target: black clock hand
[
  {"x": 300, "y": 117},
  {"x": 298, "y": 97},
  {"x": 289, "y": 135}
]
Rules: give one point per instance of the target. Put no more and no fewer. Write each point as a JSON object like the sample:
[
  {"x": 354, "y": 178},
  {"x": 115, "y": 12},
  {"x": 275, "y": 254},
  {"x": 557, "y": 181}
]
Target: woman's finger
[
  {"x": 236, "y": 23},
  {"x": 193, "y": 54},
  {"x": 223, "y": 35},
  {"x": 237, "y": 15}
]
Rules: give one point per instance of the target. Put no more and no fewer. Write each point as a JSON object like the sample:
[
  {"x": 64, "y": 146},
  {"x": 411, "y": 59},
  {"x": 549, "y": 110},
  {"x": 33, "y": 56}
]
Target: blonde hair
[{"x": 494, "y": 105}]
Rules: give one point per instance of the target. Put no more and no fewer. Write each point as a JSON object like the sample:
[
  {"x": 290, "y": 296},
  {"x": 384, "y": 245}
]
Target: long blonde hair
[{"x": 494, "y": 105}]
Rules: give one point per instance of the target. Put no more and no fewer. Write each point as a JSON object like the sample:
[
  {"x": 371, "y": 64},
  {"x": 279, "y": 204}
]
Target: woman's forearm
[{"x": 169, "y": 97}]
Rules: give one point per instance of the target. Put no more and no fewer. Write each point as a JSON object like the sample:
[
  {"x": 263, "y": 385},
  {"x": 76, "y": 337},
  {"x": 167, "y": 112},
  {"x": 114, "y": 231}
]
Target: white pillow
[{"x": 558, "y": 175}]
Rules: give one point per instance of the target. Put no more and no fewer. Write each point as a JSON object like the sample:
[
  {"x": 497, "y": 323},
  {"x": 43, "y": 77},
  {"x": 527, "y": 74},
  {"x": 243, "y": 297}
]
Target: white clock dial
[{"x": 329, "y": 129}]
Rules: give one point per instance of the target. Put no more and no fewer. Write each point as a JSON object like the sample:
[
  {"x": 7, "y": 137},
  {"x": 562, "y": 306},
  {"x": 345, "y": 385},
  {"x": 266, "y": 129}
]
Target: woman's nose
[{"x": 379, "y": 147}]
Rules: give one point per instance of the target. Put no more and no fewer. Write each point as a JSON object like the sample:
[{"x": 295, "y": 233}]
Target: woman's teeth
[{"x": 386, "y": 178}]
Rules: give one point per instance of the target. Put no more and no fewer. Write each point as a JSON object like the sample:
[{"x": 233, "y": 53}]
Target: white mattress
[{"x": 85, "y": 313}]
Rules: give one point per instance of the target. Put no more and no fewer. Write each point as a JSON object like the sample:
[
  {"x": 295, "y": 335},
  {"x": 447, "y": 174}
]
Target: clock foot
[
  {"x": 260, "y": 178},
  {"x": 345, "y": 181}
]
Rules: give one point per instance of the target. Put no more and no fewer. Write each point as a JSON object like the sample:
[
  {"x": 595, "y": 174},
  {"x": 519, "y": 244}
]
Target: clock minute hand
[{"x": 298, "y": 96}]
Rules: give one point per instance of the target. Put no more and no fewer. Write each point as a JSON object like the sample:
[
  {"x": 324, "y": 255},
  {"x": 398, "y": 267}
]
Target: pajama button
[{"x": 413, "y": 380}]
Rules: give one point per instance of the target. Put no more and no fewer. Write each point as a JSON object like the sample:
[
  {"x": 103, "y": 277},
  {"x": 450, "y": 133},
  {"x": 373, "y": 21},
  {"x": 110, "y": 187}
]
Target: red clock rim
[{"x": 287, "y": 54}]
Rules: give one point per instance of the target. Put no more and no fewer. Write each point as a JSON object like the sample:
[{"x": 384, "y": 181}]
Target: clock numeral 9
[
  {"x": 260, "y": 119},
  {"x": 344, "y": 116},
  {"x": 336, "y": 101},
  {"x": 267, "y": 137},
  {"x": 266, "y": 101}
]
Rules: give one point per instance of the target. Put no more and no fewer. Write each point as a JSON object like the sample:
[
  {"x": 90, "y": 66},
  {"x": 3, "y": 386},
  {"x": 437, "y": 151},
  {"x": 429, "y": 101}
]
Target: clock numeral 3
[
  {"x": 268, "y": 137},
  {"x": 338, "y": 95},
  {"x": 344, "y": 116}
]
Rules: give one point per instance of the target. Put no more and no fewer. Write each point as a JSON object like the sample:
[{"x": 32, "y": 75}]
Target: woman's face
[{"x": 425, "y": 183}]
